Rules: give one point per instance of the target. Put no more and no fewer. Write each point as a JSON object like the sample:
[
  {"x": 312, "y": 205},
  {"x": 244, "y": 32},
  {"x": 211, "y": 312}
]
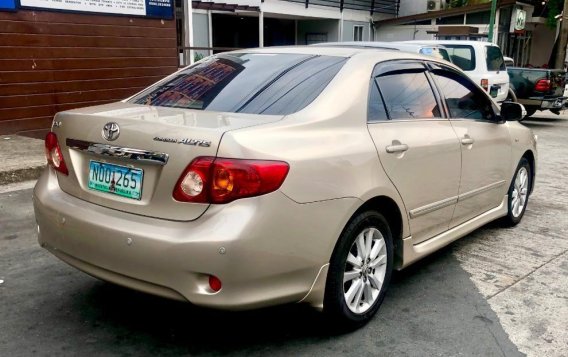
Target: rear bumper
[
  {"x": 273, "y": 250},
  {"x": 545, "y": 103}
]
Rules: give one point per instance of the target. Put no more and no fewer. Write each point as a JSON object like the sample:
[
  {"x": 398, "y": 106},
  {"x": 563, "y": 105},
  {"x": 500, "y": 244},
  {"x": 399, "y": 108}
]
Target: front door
[
  {"x": 485, "y": 145},
  {"x": 417, "y": 147}
]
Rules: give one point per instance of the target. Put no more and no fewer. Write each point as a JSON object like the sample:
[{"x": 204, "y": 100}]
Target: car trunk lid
[{"x": 153, "y": 145}]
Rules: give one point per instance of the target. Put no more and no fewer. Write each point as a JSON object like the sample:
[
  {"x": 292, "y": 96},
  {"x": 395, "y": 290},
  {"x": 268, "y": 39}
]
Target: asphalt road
[{"x": 496, "y": 292}]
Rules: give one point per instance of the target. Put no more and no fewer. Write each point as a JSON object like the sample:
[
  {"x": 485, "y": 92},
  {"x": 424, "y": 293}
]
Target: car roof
[
  {"x": 454, "y": 42},
  {"x": 379, "y": 54},
  {"x": 381, "y": 44},
  {"x": 311, "y": 50}
]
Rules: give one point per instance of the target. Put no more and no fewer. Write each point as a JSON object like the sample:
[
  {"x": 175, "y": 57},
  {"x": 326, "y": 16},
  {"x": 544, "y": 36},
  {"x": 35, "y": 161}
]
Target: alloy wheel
[
  {"x": 520, "y": 192},
  {"x": 365, "y": 270}
]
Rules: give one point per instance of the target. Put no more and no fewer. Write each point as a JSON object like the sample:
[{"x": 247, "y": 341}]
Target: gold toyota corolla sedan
[{"x": 280, "y": 175}]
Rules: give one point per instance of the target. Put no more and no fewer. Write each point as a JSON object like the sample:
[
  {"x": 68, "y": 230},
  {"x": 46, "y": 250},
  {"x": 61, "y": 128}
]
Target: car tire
[
  {"x": 358, "y": 283},
  {"x": 518, "y": 194}
]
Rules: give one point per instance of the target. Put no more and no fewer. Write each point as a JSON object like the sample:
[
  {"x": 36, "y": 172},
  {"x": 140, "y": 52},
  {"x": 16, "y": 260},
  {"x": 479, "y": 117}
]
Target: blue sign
[
  {"x": 160, "y": 8},
  {"x": 7, "y": 4}
]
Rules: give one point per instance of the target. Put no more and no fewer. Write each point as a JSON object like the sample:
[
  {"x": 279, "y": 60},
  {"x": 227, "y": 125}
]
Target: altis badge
[{"x": 184, "y": 141}]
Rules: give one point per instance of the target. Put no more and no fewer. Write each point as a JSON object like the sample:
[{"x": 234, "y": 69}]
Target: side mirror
[{"x": 511, "y": 111}]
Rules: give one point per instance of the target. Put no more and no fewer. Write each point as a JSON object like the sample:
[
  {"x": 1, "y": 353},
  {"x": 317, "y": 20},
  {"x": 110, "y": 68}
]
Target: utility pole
[
  {"x": 562, "y": 38},
  {"x": 492, "y": 20}
]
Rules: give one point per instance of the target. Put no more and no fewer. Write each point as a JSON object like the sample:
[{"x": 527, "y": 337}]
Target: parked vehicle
[
  {"x": 538, "y": 88},
  {"x": 267, "y": 176},
  {"x": 436, "y": 51},
  {"x": 481, "y": 61}
]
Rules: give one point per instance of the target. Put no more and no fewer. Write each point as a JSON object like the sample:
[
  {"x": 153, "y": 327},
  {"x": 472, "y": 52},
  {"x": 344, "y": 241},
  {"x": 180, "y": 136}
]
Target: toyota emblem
[{"x": 111, "y": 131}]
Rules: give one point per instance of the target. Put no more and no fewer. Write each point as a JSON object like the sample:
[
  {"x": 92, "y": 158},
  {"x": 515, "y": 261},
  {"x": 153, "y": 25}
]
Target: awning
[{"x": 223, "y": 6}]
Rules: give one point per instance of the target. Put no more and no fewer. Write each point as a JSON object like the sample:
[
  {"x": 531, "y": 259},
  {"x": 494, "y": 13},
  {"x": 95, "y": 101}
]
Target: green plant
[{"x": 198, "y": 56}]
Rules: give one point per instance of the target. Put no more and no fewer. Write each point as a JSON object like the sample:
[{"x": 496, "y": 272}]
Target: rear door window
[
  {"x": 462, "y": 56},
  {"x": 256, "y": 83},
  {"x": 494, "y": 59},
  {"x": 407, "y": 93}
]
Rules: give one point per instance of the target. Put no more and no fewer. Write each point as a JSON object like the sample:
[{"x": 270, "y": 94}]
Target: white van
[{"x": 481, "y": 61}]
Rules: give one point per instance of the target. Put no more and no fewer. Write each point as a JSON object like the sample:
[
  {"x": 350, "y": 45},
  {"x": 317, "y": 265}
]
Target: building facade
[
  {"x": 62, "y": 54},
  {"x": 216, "y": 27},
  {"x": 57, "y": 55},
  {"x": 530, "y": 44}
]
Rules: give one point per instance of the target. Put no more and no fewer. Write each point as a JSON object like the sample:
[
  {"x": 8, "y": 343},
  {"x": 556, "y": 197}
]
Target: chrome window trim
[{"x": 151, "y": 157}]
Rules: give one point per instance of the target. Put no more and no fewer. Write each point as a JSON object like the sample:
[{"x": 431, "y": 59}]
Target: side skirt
[{"x": 414, "y": 252}]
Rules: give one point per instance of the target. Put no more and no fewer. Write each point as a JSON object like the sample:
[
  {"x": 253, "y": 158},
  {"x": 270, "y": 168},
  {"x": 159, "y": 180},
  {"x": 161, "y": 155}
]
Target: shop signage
[
  {"x": 150, "y": 8},
  {"x": 518, "y": 20},
  {"x": 7, "y": 4}
]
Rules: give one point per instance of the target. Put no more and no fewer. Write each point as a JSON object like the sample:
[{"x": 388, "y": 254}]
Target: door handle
[
  {"x": 467, "y": 140},
  {"x": 398, "y": 147}
]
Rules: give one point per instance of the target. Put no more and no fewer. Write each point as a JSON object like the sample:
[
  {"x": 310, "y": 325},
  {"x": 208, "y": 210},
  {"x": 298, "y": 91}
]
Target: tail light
[
  {"x": 219, "y": 180},
  {"x": 543, "y": 85},
  {"x": 53, "y": 153},
  {"x": 485, "y": 84}
]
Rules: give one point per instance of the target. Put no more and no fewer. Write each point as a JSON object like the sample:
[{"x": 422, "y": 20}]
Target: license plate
[
  {"x": 493, "y": 91},
  {"x": 115, "y": 179}
]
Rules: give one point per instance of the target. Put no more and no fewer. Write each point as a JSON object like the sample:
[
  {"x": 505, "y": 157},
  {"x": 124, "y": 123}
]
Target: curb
[{"x": 19, "y": 175}]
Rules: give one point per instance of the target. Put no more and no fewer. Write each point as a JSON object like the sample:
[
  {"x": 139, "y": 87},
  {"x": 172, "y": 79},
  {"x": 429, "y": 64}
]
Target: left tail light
[
  {"x": 220, "y": 180},
  {"x": 53, "y": 154}
]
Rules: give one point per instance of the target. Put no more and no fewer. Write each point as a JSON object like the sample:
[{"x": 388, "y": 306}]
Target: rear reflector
[
  {"x": 215, "y": 283},
  {"x": 53, "y": 153},
  {"x": 543, "y": 85},
  {"x": 219, "y": 180}
]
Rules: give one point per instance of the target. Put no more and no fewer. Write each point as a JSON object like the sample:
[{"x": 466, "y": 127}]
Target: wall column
[
  {"x": 188, "y": 32},
  {"x": 261, "y": 29},
  {"x": 496, "y": 27},
  {"x": 210, "y": 31},
  {"x": 340, "y": 32}
]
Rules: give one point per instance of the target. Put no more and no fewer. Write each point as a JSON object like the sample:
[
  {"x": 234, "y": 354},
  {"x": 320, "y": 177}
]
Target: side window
[
  {"x": 494, "y": 59},
  {"x": 407, "y": 95},
  {"x": 462, "y": 56},
  {"x": 463, "y": 98},
  {"x": 376, "y": 108}
]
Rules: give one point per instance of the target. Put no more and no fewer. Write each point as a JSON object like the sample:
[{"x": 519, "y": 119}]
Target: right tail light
[{"x": 220, "y": 180}]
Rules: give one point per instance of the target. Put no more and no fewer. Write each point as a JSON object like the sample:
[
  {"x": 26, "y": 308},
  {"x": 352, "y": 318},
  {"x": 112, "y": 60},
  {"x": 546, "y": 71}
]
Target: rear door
[
  {"x": 417, "y": 146},
  {"x": 498, "y": 79},
  {"x": 485, "y": 144}
]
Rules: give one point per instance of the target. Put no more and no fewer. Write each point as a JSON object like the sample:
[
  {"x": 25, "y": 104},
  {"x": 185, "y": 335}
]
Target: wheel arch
[
  {"x": 529, "y": 155},
  {"x": 393, "y": 214}
]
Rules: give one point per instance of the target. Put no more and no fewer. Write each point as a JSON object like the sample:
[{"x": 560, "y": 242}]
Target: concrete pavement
[
  {"x": 495, "y": 292},
  {"x": 523, "y": 272},
  {"x": 22, "y": 158}
]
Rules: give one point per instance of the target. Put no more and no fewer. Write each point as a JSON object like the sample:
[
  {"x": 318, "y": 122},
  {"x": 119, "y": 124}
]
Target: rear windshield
[
  {"x": 440, "y": 53},
  {"x": 256, "y": 83},
  {"x": 462, "y": 56},
  {"x": 494, "y": 58}
]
